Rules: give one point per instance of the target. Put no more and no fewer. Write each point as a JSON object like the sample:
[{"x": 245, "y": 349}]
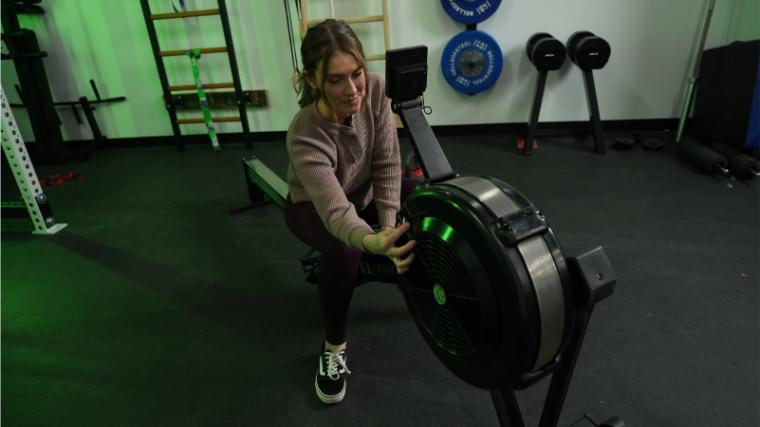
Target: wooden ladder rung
[
  {"x": 203, "y": 12},
  {"x": 203, "y": 50},
  {"x": 205, "y": 86},
  {"x": 352, "y": 19},
  {"x": 195, "y": 120},
  {"x": 306, "y": 23}
]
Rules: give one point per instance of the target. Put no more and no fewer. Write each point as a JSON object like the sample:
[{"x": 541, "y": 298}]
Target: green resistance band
[{"x": 194, "y": 55}]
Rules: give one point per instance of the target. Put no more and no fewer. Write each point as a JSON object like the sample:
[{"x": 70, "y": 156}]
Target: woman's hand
[{"x": 384, "y": 243}]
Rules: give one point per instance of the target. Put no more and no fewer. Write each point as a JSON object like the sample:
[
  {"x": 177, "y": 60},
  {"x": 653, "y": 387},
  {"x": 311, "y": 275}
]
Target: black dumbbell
[
  {"x": 588, "y": 51},
  {"x": 545, "y": 52}
]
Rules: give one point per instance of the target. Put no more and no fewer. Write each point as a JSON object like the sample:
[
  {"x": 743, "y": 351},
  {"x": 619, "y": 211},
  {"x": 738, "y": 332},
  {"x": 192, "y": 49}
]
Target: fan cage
[{"x": 445, "y": 297}]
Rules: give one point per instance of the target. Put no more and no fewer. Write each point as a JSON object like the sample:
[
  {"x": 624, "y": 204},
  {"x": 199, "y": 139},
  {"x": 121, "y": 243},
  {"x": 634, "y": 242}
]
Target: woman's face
[{"x": 344, "y": 87}]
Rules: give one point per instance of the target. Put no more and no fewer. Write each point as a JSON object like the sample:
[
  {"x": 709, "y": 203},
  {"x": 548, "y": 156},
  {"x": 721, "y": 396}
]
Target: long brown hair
[{"x": 319, "y": 45}]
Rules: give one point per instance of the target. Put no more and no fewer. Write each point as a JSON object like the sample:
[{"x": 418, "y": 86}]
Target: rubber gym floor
[{"x": 157, "y": 307}]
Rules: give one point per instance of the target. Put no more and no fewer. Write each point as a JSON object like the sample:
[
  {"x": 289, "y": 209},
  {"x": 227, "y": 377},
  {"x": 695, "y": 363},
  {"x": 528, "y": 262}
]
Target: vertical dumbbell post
[
  {"x": 593, "y": 109},
  {"x": 547, "y": 54},
  {"x": 535, "y": 111},
  {"x": 589, "y": 53}
]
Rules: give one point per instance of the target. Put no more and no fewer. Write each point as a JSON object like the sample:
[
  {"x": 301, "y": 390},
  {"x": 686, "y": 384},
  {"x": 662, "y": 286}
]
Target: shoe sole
[{"x": 329, "y": 399}]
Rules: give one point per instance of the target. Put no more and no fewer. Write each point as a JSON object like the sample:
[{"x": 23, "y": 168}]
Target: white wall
[
  {"x": 653, "y": 43},
  {"x": 743, "y": 21}
]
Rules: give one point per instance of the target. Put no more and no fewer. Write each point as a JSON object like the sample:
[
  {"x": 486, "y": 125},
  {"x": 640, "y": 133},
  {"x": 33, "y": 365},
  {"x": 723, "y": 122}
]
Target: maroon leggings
[{"x": 340, "y": 261}]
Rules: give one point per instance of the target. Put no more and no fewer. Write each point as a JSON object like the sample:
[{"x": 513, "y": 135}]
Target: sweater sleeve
[
  {"x": 312, "y": 162},
  {"x": 386, "y": 159}
]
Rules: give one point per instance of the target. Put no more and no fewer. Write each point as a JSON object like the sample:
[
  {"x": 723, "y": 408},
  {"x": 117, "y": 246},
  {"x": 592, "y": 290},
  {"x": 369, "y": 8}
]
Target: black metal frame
[
  {"x": 25, "y": 52},
  {"x": 505, "y": 401},
  {"x": 162, "y": 73},
  {"x": 169, "y": 100},
  {"x": 593, "y": 108},
  {"x": 591, "y": 273},
  {"x": 433, "y": 161},
  {"x": 234, "y": 68}
]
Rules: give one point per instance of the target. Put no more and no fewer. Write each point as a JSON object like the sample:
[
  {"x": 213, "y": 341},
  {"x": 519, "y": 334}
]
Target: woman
[{"x": 344, "y": 176}]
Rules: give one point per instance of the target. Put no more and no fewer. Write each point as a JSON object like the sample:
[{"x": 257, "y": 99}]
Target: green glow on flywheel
[
  {"x": 440, "y": 294},
  {"x": 434, "y": 226}
]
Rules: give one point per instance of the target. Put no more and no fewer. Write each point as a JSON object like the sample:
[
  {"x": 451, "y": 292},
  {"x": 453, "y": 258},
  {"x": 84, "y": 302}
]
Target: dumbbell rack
[
  {"x": 34, "y": 200},
  {"x": 593, "y": 109},
  {"x": 589, "y": 53},
  {"x": 535, "y": 110},
  {"x": 547, "y": 54},
  {"x": 158, "y": 55}
]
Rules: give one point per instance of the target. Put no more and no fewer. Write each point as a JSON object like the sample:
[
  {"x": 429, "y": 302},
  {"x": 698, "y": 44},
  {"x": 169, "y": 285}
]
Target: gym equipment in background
[
  {"x": 695, "y": 72},
  {"x": 158, "y": 55},
  {"x": 25, "y": 51},
  {"x": 727, "y": 103},
  {"x": 470, "y": 11},
  {"x": 741, "y": 165},
  {"x": 703, "y": 158},
  {"x": 34, "y": 91},
  {"x": 652, "y": 144},
  {"x": 726, "y": 120},
  {"x": 490, "y": 289},
  {"x": 218, "y": 100},
  {"x": 472, "y": 60},
  {"x": 194, "y": 55},
  {"x": 624, "y": 143},
  {"x": 34, "y": 201},
  {"x": 546, "y": 54},
  {"x": 88, "y": 108},
  {"x": 263, "y": 185},
  {"x": 590, "y": 53}
]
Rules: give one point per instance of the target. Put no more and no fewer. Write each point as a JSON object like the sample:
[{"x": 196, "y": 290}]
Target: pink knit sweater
[{"x": 341, "y": 169}]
